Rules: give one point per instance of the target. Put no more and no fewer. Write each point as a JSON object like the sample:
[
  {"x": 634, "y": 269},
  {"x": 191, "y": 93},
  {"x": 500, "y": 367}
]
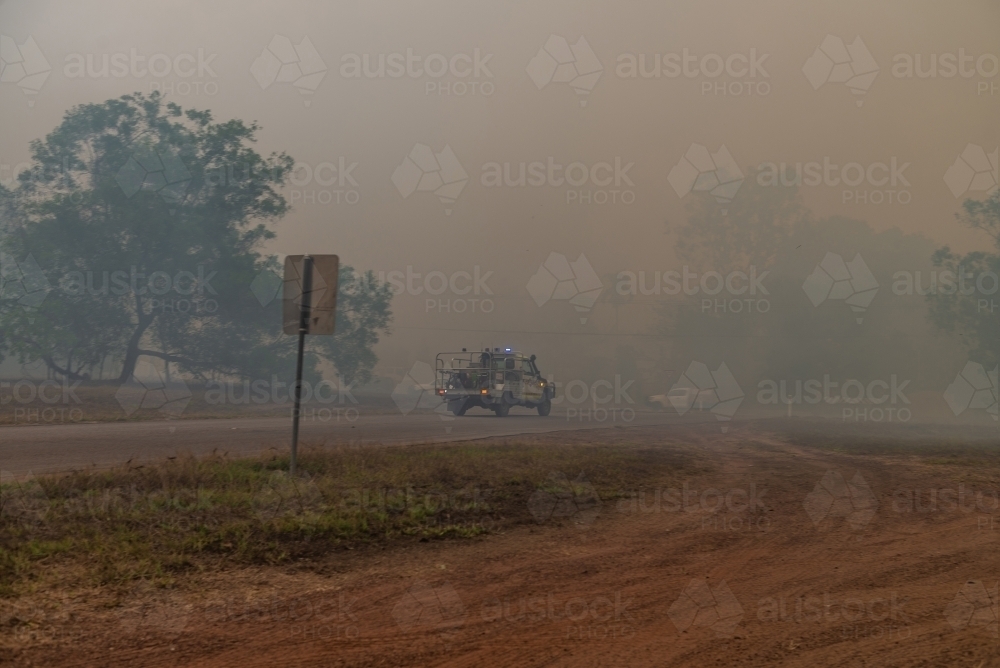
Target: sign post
[
  {"x": 310, "y": 307},
  {"x": 307, "y": 265}
]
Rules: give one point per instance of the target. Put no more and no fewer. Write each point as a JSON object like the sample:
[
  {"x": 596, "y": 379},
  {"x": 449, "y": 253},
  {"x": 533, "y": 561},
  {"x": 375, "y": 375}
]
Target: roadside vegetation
[{"x": 161, "y": 523}]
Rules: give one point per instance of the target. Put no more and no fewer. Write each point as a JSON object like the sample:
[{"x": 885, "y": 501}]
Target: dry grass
[{"x": 189, "y": 515}]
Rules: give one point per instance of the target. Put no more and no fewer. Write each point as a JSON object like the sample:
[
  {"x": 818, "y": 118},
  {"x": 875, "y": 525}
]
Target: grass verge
[{"x": 162, "y": 522}]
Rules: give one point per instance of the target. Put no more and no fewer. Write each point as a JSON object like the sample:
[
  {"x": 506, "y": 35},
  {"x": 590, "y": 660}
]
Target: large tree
[{"x": 147, "y": 222}]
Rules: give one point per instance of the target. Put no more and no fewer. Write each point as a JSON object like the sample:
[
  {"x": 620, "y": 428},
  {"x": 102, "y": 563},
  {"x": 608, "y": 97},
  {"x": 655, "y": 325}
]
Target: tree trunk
[{"x": 132, "y": 351}]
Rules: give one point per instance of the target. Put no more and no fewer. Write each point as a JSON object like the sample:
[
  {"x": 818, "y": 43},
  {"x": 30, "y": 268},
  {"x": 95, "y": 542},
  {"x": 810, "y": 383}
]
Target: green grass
[{"x": 163, "y": 522}]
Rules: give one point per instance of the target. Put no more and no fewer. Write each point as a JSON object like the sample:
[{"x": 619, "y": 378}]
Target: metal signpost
[{"x": 309, "y": 307}]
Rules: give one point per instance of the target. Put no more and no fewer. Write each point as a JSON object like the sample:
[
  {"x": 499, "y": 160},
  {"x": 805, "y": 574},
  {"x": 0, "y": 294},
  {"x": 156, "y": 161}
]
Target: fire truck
[{"x": 492, "y": 378}]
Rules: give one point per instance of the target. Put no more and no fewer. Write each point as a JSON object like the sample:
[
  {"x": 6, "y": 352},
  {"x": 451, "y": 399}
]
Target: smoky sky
[{"x": 620, "y": 91}]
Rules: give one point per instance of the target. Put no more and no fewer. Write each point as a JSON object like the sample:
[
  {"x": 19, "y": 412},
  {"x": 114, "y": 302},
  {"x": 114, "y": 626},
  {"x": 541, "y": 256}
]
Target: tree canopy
[
  {"x": 142, "y": 225},
  {"x": 972, "y": 308}
]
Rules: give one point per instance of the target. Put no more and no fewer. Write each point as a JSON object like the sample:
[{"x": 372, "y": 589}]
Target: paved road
[{"x": 51, "y": 448}]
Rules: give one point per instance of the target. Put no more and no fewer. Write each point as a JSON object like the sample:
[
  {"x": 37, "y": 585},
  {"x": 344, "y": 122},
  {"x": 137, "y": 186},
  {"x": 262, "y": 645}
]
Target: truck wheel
[
  {"x": 545, "y": 408},
  {"x": 502, "y": 409},
  {"x": 459, "y": 407}
]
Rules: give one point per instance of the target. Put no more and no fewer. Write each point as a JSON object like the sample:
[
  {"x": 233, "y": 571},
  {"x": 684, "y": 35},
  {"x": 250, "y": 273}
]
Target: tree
[
  {"x": 362, "y": 313},
  {"x": 768, "y": 231},
  {"x": 147, "y": 221},
  {"x": 969, "y": 307},
  {"x": 752, "y": 229}
]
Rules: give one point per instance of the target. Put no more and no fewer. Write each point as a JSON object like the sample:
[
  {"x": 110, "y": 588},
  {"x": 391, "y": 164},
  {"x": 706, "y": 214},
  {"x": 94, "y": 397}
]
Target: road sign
[
  {"x": 310, "y": 307},
  {"x": 322, "y": 294}
]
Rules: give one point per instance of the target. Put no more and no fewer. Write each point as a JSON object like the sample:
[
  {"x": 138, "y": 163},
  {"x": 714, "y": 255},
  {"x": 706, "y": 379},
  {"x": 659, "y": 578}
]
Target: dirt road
[{"x": 775, "y": 549}]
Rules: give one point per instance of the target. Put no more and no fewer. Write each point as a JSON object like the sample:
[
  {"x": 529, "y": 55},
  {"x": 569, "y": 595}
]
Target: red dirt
[{"x": 776, "y": 588}]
